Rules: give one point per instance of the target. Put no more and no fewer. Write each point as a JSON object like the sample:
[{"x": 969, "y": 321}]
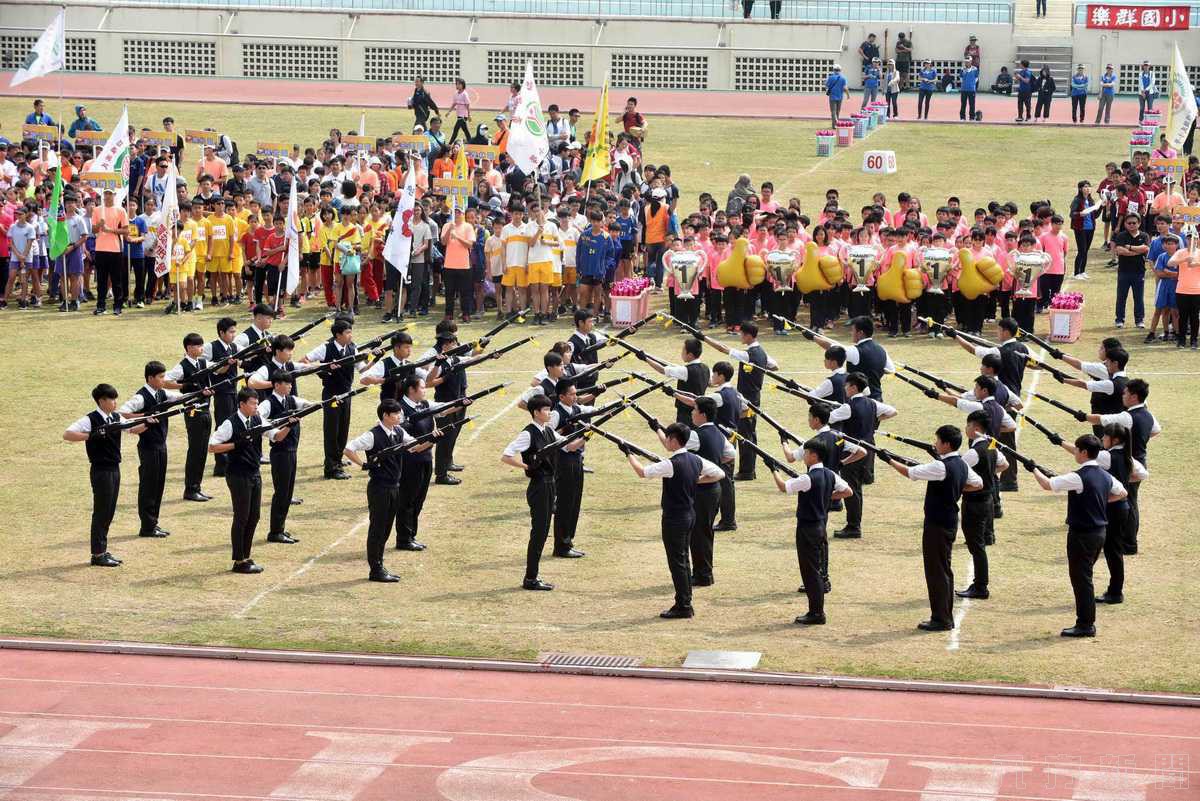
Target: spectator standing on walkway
[
  {"x": 1079, "y": 93},
  {"x": 868, "y": 51},
  {"x": 1025, "y": 82},
  {"x": 1045, "y": 86},
  {"x": 971, "y": 52},
  {"x": 892, "y": 90},
  {"x": 1147, "y": 91},
  {"x": 1108, "y": 89},
  {"x": 926, "y": 83},
  {"x": 1040, "y": 8},
  {"x": 1083, "y": 224},
  {"x": 872, "y": 75},
  {"x": 1131, "y": 247},
  {"x": 748, "y": 8},
  {"x": 969, "y": 84},
  {"x": 835, "y": 87},
  {"x": 904, "y": 55}
]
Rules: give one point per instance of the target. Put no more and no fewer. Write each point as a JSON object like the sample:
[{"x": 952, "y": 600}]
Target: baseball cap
[
  {"x": 499, "y": 118},
  {"x": 837, "y": 67}
]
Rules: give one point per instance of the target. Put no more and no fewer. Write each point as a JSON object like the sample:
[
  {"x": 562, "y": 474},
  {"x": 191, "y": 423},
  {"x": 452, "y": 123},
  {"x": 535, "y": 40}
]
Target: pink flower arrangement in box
[{"x": 630, "y": 287}]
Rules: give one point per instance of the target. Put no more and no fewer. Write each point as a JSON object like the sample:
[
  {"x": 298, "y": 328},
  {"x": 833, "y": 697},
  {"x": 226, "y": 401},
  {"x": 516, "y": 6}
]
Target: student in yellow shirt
[
  {"x": 183, "y": 266},
  {"x": 348, "y": 239},
  {"x": 326, "y": 243},
  {"x": 375, "y": 232},
  {"x": 200, "y": 251},
  {"x": 238, "y": 250},
  {"x": 310, "y": 256},
  {"x": 220, "y": 229}
]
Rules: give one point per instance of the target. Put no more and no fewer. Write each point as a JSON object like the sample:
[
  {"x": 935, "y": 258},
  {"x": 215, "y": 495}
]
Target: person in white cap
[
  {"x": 1108, "y": 89},
  {"x": 835, "y": 87},
  {"x": 1147, "y": 91}
]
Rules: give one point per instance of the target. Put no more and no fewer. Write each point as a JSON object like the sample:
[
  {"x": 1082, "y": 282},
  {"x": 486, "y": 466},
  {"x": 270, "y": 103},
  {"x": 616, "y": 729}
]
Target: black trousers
[
  {"x": 336, "y": 420},
  {"x": 1048, "y": 286},
  {"x": 458, "y": 285},
  {"x": 812, "y": 548},
  {"x": 1189, "y": 317},
  {"x": 1042, "y": 107},
  {"x": 708, "y": 498},
  {"x": 460, "y": 124},
  {"x": 1023, "y": 311},
  {"x": 383, "y": 508},
  {"x": 1024, "y": 104},
  {"x": 966, "y": 101},
  {"x": 732, "y": 300},
  {"x": 976, "y": 519},
  {"x": 283, "y": 484},
  {"x": 1008, "y": 479},
  {"x": 224, "y": 407},
  {"x": 152, "y": 479},
  {"x": 1135, "y": 518},
  {"x": 443, "y": 451},
  {"x": 1083, "y": 549},
  {"x": 747, "y": 457},
  {"x": 419, "y": 291},
  {"x": 1083, "y": 243},
  {"x": 898, "y": 316},
  {"x": 199, "y": 427},
  {"x": 139, "y": 278},
  {"x": 414, "y": 486},
  {"x": 1078, "y": 103},
  {"x": 936, "y": 547},
  {"x": 728, "y": 504},
  {"x": 568, "y": 497},
  {"x": 855, "y": 475},
  {"x": 111, "y": 269},
  {"x": 923, "y": 96},
  {"x": 245, "y": 492},
  {"x": 676, "y": 536},
  {"x": 858, "y": 303},
  {"x": 540, "y": 497},
  {"x": 106, "y": 488},
  {"x": 1115, "y": 545}
]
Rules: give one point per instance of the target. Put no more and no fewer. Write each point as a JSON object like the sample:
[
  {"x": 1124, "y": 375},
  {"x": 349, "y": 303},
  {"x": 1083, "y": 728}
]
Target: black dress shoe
[
  {"x": 847, "y": 534},
  {"x": 218, "y": 473},
  {"x": 1110, "y": 598},
  {"x": 587, "y": 469},
  {"x": 726, "y": 527},
  {"x": 455, "y": 468},
  {"x": 935, "y": 625},
  {"x": 410, "y": 545},
  {"x": 536, "y": 584},
  {"x": 1079, "y": 631},
  {"x": 745, "y": 477},
  {"x": 282, "y": 537},
  {"x": 1129, "y": 550},
  {"x": 156, "y": 534},
  {"x": 811, "y": 619},
  {"x": 383, "y": 576},
  {"x": 296, "y": 501},
  {"x": 162, "y": 532},
  {"x": 997, "y": 512},
  {"x": 105, "y": 560},
  {"x": 345, "y": 463},
  {"x": 703, "y": 581},
  {"x": 339, "y": 475},
  {"x": 972, "y": 592},
  {"x": 571, "y": 554},
  {"x": 196, "y": 496},
  {"x": 248, "y": 568},
  {"x": 447, "y": 480},
  {"x": 264, "y": 460},
  {"x": 677, "y": 612}
]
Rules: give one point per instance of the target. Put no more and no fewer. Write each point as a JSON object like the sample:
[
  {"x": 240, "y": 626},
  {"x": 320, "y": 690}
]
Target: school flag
[
  {"x": 59, "y": 239},
  {"x": 597, "y": 164},
  {"x": 114, "y": 156},
  {"x": 1181, "y": 104},
  {"x": 461, "y": 173},
  {"x": 49, "y": 52},
  {"x": 362, "y": 124},
  {"x": 292, "y": 234},
  {"x": 398, "y": 247},
  {"x": 528, "y": 143},
  {"x": 168, "y": 215}
]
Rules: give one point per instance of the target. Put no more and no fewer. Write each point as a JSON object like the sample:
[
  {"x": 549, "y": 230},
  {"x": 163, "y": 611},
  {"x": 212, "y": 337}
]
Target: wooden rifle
[
  {"x": 938, "y": 382},
  {"x": 770, "y": 461}
]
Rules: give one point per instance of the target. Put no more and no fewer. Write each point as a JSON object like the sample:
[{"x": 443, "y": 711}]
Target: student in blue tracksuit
[
  {"x": 1147, "y": 91},
  {"x": 871, "y": 77},
  {"x": 927, "y": 82},
  {"x": 1024, "y": 78},
  {"x": 835, "y": 87},
  {"x": 966, "y": 90},
  {"x": 1108, "y": 89},
  {"x": 1079, "y": 93}
]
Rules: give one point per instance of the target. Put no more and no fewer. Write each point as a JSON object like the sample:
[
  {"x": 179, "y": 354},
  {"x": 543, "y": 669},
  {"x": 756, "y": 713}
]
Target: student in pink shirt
[
  {"x": 461, "y": 103},
  {"x": 767, "y": 201},
  {"x": 1054, "y": 243},
  {"x": 712, "y": 302}
]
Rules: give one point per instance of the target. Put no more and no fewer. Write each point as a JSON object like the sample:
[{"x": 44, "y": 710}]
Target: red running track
[
  {"x": 362, "y": 94},
  {"x": 79, "y": 726}
]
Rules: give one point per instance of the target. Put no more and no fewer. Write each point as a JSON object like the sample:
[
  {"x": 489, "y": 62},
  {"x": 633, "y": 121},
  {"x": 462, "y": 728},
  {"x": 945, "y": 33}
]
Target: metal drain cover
[
  {"x": 723, "y": 660},
  {"x": 588, "y": 660}
]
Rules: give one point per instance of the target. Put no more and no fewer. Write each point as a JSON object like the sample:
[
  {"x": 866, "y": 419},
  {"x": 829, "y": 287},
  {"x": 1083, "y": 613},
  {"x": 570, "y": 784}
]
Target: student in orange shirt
[
  {"x": 443, "y": 165},
  {"x": 110, "y": 224},
  {"x": 458, "y": 237}
]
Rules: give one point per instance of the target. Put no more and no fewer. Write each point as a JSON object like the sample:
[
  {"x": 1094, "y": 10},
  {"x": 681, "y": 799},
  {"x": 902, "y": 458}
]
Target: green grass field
[{"x": 462, "y": 595}]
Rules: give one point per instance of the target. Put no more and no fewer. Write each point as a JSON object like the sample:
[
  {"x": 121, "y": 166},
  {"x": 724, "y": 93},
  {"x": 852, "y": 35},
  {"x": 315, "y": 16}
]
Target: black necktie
[{"x": 160, "y": 396}]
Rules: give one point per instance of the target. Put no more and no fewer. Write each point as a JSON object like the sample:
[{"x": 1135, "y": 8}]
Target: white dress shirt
[
  {"x": 84, "y": 424},
  {"x": 224, "y": 432},
  {"x": 802, "y": 483},
  {"x": 1096, "y": 370},
  {"x": 852, "y": 355},
  {"x": 206, "y": 354},
  {"x": 693, "y": 444},
  {"x": 744, "y": 355},
  {"x": 936, "y": 471},
  {"x": 366, "y": 441},
  {"x": 521, "y": 443},
  {"x": 264, "y": 373},
  {"x": 137, "y": 403},
  {"x": 1137, "y": 473},
  {"x": 971, "y": 405},
  {"x": 842, "y": 412},
  {"x": 665, "y": 469},
  {"x": 972, "y": 458},
  {"x": 825, "y": 388},
  {"x": 379, "y": 368},
  {"x": 242, "y": 341},
  {"x": 1071, "y": 482},
  {"x": 676, "y": 371},
  {"x": 1103, "y": 385},
  {"x": 175, "y": 374},
  {"x": 1124, "y": 419},
  {"x": 265, "y": 407}
]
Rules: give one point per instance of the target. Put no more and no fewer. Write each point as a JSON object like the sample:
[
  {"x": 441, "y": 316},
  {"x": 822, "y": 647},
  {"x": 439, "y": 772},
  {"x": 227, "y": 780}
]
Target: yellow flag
[
  {"x": 597, "y": 164},
  {"x": 460, "y": 173}
]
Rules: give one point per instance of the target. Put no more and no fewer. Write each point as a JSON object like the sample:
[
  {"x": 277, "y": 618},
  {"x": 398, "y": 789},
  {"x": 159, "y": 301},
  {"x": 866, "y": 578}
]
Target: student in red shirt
[{"x": 274, "y": 244}]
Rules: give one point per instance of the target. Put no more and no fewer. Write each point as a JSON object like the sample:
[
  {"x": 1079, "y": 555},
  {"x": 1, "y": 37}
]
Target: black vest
[
  {"x": 985, "y": 467},
  {"x": 263, "y": 394},
  {"x": 863, "y": 416},
  {"x": 838, "y": 380},
  {"x": 941, "y": 497},
  {"x": 1014, "y": 356},
  {"x": 712, "y": 448},
  {"x": 538, "y": 439},
  {"x": 581, "y": 357},
  {"x": 1104, "y": 403},
  {"x": 243, "y": 459},
  {"x": 221, "y": 352},
  {"x": 281, "y": 411},
  {"x": 750, "y": 380},
  {"x": 995, "y": 413},
  {"x": 731, "y": 407},
  {"x": 565, "y": 416},
  {"x": 679, "y": 491},
  {"x": 394, "y": 373},
  {"x": 812, "y": 507},
  {"x": 1088, "y": 510},
  {"x": 1121, "y": 471},
  {"x": 417, "y": 428},
  {"x": 188, "y": 384},
  {"x": 1139, "y": 439},
  {"x": 340, "y": 379},
  {"x": 454, "y": 382},
  {"x": 104, "y": 452},
  {"x": 549, "y": 388},
  {"x": 387, "y": 468},
  {"x": 252, "y": 336},
  {"x": 1002, "y": 395},
  {"x": 872, "y": 359},
  {"x": 155, "y": 435},
  {"x": 833, "y": 457},
  {"x": 696, "y": 382}
]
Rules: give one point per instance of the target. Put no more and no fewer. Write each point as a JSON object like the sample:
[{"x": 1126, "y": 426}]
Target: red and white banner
[{"x": 1138, "y": 18}]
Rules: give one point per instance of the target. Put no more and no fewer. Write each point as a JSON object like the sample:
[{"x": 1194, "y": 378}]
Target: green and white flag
[
  {"x": 49, "y": 52},
  {"x": 59, "y": 237},
  {"x": 114, "y": 156},
  {"x": 1181, "y": 103}
]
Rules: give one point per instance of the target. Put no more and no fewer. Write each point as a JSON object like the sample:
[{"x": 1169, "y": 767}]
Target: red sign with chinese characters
[{"x": 1138, "y": 18}]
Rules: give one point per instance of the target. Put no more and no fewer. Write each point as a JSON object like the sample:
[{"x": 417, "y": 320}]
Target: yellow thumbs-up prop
[
  {"x": 818, "y": 273},
  {"x": 740, "y": 270},
  {"x": 899, "y": 282},
  {"x": 977, "y": 277}
]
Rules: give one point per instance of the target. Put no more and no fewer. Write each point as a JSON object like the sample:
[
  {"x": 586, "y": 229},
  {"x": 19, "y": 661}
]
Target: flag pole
[{"x": 1171, "y": 87}]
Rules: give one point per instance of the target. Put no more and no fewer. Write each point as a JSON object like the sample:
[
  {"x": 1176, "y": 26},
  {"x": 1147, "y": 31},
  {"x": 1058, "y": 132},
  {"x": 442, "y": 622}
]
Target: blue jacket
[
  {"x": 871, "y": 78},
  {"x": 928, "y": 78},
  {"x": 1024, "y": 81},
  {"x": 39, "y": 119},
  {"x": 970, "y": 79},
  {"x": 591, "y": 254},
  {"x": 1108, "y": 84},
  {"x": 1079, "y": 85},
  {"x": 835, "y": 86}
]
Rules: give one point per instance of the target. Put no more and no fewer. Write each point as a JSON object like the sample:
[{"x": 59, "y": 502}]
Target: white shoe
[
  {"x": 1120, "y": 325},
  {"x": 198, "y": 306},
  {"x": 1141, "y": 325},
  {"x": 1082, "y": 277}
]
